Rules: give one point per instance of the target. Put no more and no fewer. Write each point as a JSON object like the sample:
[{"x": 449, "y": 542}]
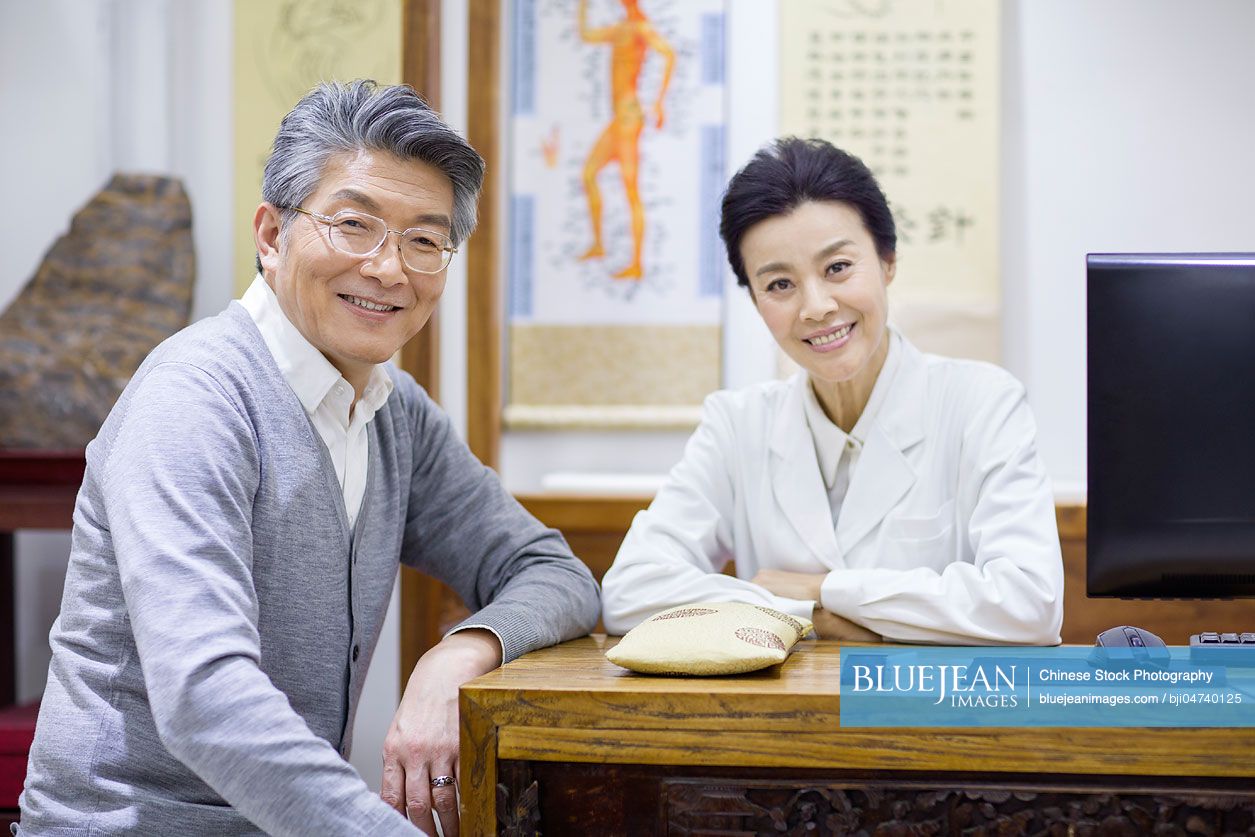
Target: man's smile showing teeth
[
  {"x": 831, "y": 337},
  {"x": 367, "y": 304}
]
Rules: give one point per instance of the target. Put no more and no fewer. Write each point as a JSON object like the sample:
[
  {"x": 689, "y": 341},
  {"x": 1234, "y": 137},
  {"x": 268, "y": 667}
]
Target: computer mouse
[
  {"x": 1127, "y": 636},
  {"x": 1127, "y": 644}
]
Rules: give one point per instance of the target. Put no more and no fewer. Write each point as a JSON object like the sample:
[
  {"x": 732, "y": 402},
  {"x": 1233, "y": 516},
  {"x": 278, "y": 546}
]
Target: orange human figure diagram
[{"x": 631, "y": 39}]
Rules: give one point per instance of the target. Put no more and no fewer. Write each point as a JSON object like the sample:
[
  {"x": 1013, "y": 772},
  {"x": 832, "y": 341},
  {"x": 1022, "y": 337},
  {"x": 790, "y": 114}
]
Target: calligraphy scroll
[{"x": 911, "y": 87}]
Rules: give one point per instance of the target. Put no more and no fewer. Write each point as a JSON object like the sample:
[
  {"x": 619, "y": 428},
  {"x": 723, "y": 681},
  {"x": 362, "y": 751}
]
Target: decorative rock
[{"x": 108, "y": 291}]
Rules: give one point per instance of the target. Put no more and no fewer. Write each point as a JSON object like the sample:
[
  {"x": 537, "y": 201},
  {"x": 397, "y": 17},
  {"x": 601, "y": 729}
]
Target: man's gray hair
[{"x": 336, "y": 118}]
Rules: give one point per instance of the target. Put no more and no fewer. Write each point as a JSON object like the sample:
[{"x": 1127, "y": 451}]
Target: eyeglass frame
[{"x": 400, "y": 234}]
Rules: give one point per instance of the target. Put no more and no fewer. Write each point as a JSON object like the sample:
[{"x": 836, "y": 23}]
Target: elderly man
[{"x": 246, "y": 505}]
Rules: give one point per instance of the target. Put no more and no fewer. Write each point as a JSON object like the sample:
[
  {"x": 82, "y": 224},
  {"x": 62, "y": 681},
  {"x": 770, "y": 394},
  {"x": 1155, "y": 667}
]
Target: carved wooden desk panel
[{"x": 564, "y": 742}]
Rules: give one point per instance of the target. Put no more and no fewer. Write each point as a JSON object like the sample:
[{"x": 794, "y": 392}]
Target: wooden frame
[
  {"x": 420, "y": 68},
  {"x": 530, "y": 369},
  {"x": 428, "y": 607},
  {"x": 484, "y": 303}
]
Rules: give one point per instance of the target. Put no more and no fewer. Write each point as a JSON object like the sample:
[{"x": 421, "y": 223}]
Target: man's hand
[
  {"x": 803, "y": 586},
  {"x": 829, "y": 625},
  {"x": 422, "y": 743}
]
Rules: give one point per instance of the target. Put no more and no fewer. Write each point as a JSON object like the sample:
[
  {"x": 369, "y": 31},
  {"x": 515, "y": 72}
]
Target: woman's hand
[
  {"x": 806, "y": 586},
  {"x": 423, "y": 740},
  {"x": 790, "y": 585},
  {"x": 829, "y": 625}
]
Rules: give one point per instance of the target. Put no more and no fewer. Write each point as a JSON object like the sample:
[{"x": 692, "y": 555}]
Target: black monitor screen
[{"x": 1171, "y": 425}]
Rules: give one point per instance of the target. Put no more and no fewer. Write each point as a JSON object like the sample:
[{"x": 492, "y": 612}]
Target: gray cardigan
[{"x": 219, "y": 616}]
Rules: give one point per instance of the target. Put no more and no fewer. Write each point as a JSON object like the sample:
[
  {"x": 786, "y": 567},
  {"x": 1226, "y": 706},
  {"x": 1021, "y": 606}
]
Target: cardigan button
[{"x": 357, "y": 650}]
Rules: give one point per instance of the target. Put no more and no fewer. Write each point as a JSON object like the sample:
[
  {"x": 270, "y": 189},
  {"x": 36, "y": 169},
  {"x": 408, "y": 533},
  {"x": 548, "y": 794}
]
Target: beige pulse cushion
[{"x": 714, "y": 638}]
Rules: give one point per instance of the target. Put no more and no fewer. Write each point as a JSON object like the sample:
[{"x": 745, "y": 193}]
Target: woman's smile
[{"x": 830, "y": 339}]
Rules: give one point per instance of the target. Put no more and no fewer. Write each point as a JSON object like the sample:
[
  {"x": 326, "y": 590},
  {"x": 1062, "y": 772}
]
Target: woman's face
[{"x": 821, "y": 287}]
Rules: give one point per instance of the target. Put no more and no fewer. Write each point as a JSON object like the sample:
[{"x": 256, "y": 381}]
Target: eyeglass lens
[{"x": 358, "y": 234}]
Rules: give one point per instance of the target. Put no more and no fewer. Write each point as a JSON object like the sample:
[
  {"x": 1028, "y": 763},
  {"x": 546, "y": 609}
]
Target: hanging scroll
[
  {"x": 911, "y": 87},
  {"x": 613, "y": 260},
  {"x": 282, "y": 49}
]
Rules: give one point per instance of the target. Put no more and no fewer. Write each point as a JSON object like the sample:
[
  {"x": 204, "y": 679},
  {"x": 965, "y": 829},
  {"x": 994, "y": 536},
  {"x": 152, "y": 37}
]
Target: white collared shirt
[
  {"x": 324, "y": 393},
  {"x": 836, "y": 450}
]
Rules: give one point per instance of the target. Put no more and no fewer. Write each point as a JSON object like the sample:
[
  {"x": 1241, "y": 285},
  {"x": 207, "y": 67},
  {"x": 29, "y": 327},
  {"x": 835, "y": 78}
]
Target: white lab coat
[{"x": 947, "y": 533}]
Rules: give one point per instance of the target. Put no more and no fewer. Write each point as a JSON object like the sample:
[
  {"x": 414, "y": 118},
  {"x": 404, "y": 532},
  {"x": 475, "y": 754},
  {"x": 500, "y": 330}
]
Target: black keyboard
[{"x": 1232, "y": 649}]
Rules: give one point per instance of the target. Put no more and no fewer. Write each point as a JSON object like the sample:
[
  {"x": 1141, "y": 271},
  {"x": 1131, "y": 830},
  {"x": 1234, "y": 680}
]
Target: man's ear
[{"x": 266, "y": 238}]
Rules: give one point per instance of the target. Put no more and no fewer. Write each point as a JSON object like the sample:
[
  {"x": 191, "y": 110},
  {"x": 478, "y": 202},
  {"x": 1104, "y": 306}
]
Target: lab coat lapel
[
  {"x": 883, "y": 474},
  {"x": 795, "y": 480}
]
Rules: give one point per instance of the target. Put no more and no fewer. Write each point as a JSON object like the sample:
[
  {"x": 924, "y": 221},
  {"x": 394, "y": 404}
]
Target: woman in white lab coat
[{"x": 881, "y": 492}]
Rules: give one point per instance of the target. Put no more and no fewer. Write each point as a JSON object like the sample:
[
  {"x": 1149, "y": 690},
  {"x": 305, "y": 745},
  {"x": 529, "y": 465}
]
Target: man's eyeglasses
[{"x": 358, "y": 234}]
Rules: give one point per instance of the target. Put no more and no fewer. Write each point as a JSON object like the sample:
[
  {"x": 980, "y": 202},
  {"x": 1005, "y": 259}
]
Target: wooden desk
[{"x": 565, "y": 742}]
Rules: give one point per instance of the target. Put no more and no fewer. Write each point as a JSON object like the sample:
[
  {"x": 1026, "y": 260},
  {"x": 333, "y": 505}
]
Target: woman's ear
[
  {"x": 266, "y": 238},
  {"x": 890, "y": 266}
]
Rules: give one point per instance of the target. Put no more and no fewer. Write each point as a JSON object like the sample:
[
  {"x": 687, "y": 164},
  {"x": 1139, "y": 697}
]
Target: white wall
[
  {"x": 1130, "y": 129},
  {"x": 54, "y": 105}
]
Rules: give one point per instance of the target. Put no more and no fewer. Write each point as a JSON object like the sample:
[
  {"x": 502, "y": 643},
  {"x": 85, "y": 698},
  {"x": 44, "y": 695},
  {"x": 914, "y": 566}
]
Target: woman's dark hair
[{"x": 790, "y": 172}]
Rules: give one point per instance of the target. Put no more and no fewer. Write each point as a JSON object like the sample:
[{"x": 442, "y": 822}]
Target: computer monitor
[{"x": 1171, "y": 425}]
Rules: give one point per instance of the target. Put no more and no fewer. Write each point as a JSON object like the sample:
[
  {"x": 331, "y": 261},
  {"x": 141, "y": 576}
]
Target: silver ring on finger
[{"x": 443, "y": 781}]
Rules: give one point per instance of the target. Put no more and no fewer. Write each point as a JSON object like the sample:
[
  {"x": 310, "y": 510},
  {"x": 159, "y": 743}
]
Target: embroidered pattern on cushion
[
  {"x": 684, "y": 613},
  {"x": 761, "y": 638},
  {"x": 783, "y": 617}
]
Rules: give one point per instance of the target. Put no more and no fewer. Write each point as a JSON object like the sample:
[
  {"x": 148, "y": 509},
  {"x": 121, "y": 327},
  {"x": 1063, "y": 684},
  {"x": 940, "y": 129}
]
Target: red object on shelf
[
  {"x": 17, "y": 731},
  {"x": 37, "y": 491},
  {"x": 38, "y": 488}
]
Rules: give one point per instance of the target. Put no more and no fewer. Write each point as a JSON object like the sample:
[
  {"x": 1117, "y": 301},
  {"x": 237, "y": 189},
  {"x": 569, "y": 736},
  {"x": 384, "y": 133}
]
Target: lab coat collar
[
  {"x": 880, "y": 480},
  {"x": 795, "y": 478},
  {"x": 830, "y": 440}
]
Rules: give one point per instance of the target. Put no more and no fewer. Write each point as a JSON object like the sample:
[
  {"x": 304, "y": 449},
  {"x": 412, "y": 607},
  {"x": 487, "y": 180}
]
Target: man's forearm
[{"x": 479, "y": 649}]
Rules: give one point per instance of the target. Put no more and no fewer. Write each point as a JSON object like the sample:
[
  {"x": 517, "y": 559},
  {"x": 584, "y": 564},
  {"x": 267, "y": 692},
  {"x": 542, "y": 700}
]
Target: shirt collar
[
  {"x": 309, "y": 373},
  {"x": 378, "y": 388},
  {"x": 830, "y": 440}
]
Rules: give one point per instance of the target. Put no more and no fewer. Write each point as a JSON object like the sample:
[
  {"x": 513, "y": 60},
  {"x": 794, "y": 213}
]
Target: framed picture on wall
[{"x": 611, "y": 159}]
